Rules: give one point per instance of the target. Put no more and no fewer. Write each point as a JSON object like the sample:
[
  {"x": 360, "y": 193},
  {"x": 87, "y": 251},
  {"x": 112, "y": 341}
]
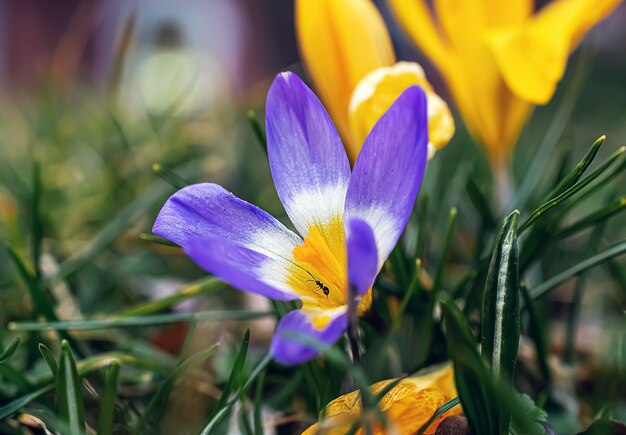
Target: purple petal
[
  {"x": 362, "y": 256},
  {"x": 308, "y": 162},
  {"x": 288, "y": 349},
  {"x": 389, "y": 170},
  {"x": 241, "y": 267},
  {"x": 205, "y": 219}
]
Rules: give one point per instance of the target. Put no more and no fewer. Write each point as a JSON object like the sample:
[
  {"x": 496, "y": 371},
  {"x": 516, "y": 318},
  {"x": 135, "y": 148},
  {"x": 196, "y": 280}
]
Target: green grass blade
[
  {"x": 257, "y": 129},
  {"x": 139, "y": 321},
  {"x": 201, "y": 287},
  {"x": 163, "y": 392},
  {"x": 169, "y": 176},
  {"x": 36, "y": 222},
  {"x": 611, "y": 252},
  {"x": 592, "y": 219},
  {"x": 10, "y": 349},
  {"x": 234, "y": 379},
  {"x": 501, "y": 304},
  {"x": 153, "y": 238},
  {"x": 49, "y": 358},
  {"x": 574, "y": 175},
  {"x": 69, "y": 394},
  {"x": 107, "y": 403},
  {"x": 438, "y": 413},
  {"x": 258, "y": 406},
  {"x": 580, "y": 185},
  {"x": 536, "y": 332}
]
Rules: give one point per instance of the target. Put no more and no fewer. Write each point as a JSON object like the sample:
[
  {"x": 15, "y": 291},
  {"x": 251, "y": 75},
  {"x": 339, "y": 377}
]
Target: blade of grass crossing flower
[
  {"x": 257, "y": 129},
  {"x": 611, "y": 252},
  {"x": 577, "y": 187},
  {"x": 10, "y": 349},
  {"x": 37, "y": 226},
  {"x": 163, "y": 392},
  {"x": 235, "y": 378},
  {"x": 500, "y": 318},
  {"x": 69, "y": 394},
  {"x": 49, "y": 358},
  {"x": 438, "y": 413},
  {"x": 574, "y": 175},
  {"x": 107, "y": 403}
]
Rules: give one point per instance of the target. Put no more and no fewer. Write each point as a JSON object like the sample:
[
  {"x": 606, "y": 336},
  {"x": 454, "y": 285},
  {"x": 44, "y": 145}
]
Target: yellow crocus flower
[
  {"x": 407, "y": 406},
  {"x": 345, "y": 42},
  {"x": 499, "y": 59}
]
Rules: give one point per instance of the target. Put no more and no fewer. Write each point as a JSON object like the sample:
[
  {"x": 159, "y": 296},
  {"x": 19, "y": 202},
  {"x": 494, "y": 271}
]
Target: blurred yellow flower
[
  {"x": 341, "y": 41},
  {"x": 380, "y": 88},
  {"x": 499, "y": 59},
  {"x": 407, "y": 406}
]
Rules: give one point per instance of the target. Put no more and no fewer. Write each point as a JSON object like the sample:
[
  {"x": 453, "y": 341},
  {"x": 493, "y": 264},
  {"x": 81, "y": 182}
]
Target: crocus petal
[
  {"x": 362, "y": 255},
  {"x": 532, "y": 56},
  {"x": 340, "y": 41},
  {"x": 207, "y": 220},
  {"x": 290, "y": 349},
  {"x": 308, "y": 163},
  {"x": 380, "y": 88},
  {"x": 389, "y": 170},
  {"x": 241, "y": 267}
]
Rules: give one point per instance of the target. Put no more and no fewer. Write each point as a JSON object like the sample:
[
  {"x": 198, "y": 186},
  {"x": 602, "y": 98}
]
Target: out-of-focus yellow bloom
[
  {"x": 498, "y": 58},
  {"x": 341, "y": 41},
  {"x": 380, "y": 88},
  {"x": 407, "y": 406}
]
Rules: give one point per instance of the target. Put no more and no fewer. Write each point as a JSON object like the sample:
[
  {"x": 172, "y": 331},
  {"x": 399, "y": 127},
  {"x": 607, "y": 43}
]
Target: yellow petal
[
  {"x": 380, "y": 88},
  {"x": 417, "y": 21},
  {"x": 340, "y": 41},
  {"x": 408, "y": 405},
  {"x": 532, "y": 57}
]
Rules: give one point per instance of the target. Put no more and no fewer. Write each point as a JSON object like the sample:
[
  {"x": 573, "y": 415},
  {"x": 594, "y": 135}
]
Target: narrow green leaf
[
  {"x": 217, "y": 418},
  {"x": 69, "y": 394},
  {"x": 438, "y": 413},
  {"x": 611, "y": 252},
  {"x": 481, "y": 203},
  {"x": 169, "y": 176},
  {"x": 234, "y": 378},
  {"x": 37, "y": 226},
  {"x": 41, "y": 303},
  {"x": 10, "y": 349},
  {"x": 258, "y": 405},
  {"x": 501, "y": 304},
  {"x": 470, "y": 372},
  {"x": 574, "y": 175},
  {"x": 163, "y": 392},
  {"x": 139, "y": 321},
  {"x": 153, "y": 238},
  {"x": 592, "y": 219},
  {"x": 49, "y": 358},
  {"x": 257, "y": 129},
  {"x": 107, "y": 403},
  {"x": 201, "y": 287},
  {"x": 577, "y": 187},
  {"x": 536, "y": 328}
]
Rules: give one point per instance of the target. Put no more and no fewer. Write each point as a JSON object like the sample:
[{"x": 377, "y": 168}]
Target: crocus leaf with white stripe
[
  {"x": 348, "y": 220},
  {"x": 501, "y": 305}
]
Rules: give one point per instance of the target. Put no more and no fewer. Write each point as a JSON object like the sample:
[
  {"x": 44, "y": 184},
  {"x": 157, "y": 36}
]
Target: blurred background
[{"x": 94, "y": 93}]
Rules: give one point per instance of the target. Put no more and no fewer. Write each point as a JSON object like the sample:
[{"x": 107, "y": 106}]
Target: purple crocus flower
[{"x": 349, "y": 221}]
